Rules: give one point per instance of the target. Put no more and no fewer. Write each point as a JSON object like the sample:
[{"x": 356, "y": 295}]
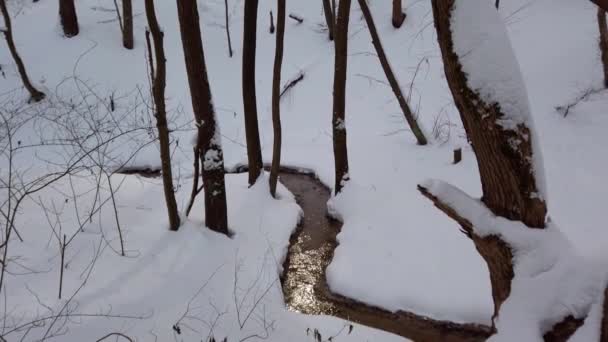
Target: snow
[
  {"x": 550, "y": 280},
  {"x": 395, "y": 250}
]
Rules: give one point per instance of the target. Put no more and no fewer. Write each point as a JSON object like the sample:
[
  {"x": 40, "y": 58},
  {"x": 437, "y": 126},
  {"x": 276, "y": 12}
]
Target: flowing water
[{"x": 310, "y": 252}]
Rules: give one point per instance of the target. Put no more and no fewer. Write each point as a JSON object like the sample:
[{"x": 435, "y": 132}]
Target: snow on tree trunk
[
  {"x": 252, "y": 133},
  {"x": 339, "y": 107},
  {"x": 209, "y": 139},
  {"x": 489, "y": 92}
]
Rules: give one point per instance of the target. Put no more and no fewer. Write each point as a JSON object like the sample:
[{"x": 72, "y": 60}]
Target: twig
[
  {"x": 296, "y": 18},
  {"x": 292, "y": 83}
]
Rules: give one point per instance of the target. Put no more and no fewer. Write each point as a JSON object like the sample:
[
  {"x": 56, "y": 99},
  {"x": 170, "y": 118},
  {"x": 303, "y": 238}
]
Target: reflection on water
[{"x": 311, "y": 249}]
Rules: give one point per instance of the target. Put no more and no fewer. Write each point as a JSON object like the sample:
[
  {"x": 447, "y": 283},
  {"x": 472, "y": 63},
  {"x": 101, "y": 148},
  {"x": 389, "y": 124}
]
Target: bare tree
[
  {"x": 252, "y": 133},
  {"x": 35, "y": 94},
  {"x": 127, "y": 26},
  {"x": 209, "y": 141},
  {"x": 329, "y": 18},
  {"x": 398, "y": 14},
  {"x": 392, "y": 80},
  {"x": 68, "y": 17},
  {"x": 159, "y": 76},
  {"x": 603, "y": 28},
  {"x": 339, "y": 106},
  {"x": 276, "y": 98}
]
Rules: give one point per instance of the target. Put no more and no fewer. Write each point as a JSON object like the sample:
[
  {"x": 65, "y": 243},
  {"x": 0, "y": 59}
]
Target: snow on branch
[{"x": 551, "y": 281}]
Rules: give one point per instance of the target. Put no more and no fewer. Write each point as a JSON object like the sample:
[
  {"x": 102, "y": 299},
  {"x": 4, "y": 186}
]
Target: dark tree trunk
[
  {"x": 392, "y": 80},
  {"x": 209, "y": 140},
  {"x": 398, "y": 15},
  {"x": 339, "y": 107},
  {"x": 69, "y": 20},
  {"x": 159, "y": 76},
  {"x": 601, "y": 20},
  {"x": 252, "y": 133},
  {"x": 329, "y": 18},
  {"x": 227, "y": 19},
  {"x": 127, "y": 27},
  {"x": 36, "y": 94},
  {"x": 603, "y": 4},
  {"x": 276, "y": 98}
]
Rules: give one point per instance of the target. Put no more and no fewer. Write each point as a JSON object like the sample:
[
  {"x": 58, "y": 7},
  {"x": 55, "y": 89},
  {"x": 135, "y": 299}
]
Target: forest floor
[{"x": 394, "y": 252}]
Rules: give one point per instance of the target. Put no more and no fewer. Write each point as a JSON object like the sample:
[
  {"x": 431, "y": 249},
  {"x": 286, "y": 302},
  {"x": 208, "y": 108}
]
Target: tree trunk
[
  {"x": 209, "y": 139},
  {"x": 339, "y": 107},
  {"x": 392, "y": 80},
  {"x": 252, "y": 134},
  {"x": 601, "y": 20},
  {"x": 159, "y": 76},
  {"x": 603, "y": 4},
  {"x": 8, "y": 34},
  {"x": 276, "y": 98},
  {"x": 398, "y": 15},
  {"x": 69, "y": 20},
  {"x": 227, "y": 20},
  {"x": 329, "y": 18},
  {"x": 510, "y": 187},
  {"x": 127, "y": 27}
]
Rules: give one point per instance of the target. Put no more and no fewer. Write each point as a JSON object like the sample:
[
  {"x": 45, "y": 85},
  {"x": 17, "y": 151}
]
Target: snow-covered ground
[{"x": 396, "y": 250}]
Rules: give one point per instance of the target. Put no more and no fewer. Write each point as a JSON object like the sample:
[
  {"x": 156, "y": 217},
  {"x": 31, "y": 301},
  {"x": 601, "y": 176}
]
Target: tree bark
[
  {"x": 35, "y": 94},
  {"x": 603, "y": 4},
  {"x": 209, "y": 139},
  {"x": 69, "y": 20},
  {"x": 127, "y": 27},
  {"x": 339, "y": 106},
  {"x": 603, "y": 28},
  {"x": 507, "y": 177},
  {"x": 398, "y": 15},
  {"x": 252, "y": 133},
  {"x": 329, "y": 18},
  {"x": 388, "y": 71},
  {"x": 276, "y": 98},
  {"x": 159, "y": 77}
]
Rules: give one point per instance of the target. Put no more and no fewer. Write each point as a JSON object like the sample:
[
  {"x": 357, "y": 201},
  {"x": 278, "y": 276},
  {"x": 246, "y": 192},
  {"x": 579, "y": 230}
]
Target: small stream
[{"x": 305, "y": 287}]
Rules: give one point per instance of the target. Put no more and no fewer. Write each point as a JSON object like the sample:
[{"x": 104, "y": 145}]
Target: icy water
[{"x": 310, "y": 252}]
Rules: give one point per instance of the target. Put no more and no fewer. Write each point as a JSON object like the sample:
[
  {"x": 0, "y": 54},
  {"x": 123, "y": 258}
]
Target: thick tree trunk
[
  {"x": 510, "y": 187},
  {"x": 8, "y": 34},
  {"x": 398, "y": 15},
  {"x": 252, "y": 133},
  {"x": 392, "y": 80},
  {"x": 209, "y": 139},
  {"x": 339, "y": 107},
  {"x": 329, "y": 18},
  {"x": 127, "y": 27},
  {"x": 603, "y": 4},
  {"x": 603, "y": 28},
  {"x": 159, "y": 76},
  {"x": 69, "y": 20},
  {"x": 276, "y": 98}
]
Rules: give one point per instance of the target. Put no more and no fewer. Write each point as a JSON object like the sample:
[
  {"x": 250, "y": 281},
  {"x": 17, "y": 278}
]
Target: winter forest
[{"x": 303, "y": 170}]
